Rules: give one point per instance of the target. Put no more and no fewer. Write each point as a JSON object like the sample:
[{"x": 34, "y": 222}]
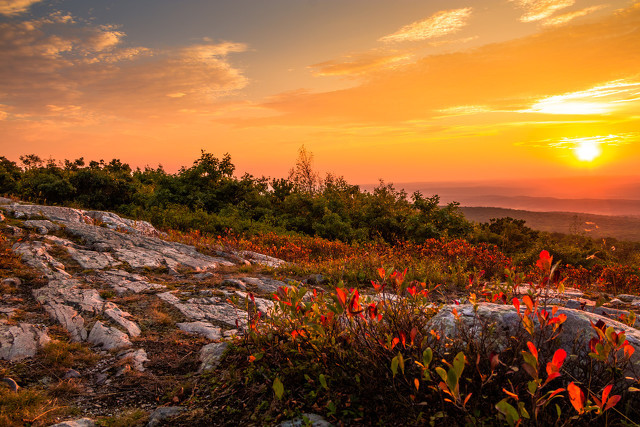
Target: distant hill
[{"x": 598, "y": 226}]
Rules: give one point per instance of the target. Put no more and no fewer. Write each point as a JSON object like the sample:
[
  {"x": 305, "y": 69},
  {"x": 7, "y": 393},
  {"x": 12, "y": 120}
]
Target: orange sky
[{"x": 403, "y": 91}]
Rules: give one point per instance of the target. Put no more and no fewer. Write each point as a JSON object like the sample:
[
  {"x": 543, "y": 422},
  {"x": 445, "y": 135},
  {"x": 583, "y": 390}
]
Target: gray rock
[
  {"x": 204, "y": 329},
  {"x": 577, "y": 328},
  {"x": 256, "y": 258},
  {"x": 108, "y": 337},
  {"x": 69, "y": 319},
  {"x": 261, "y": 304},
  {"x": 42, "y": 226},
  {"x": 265, "y": 285},
  {"x": 11, "y": 383},
  {"x": 35, "y": 255},
  {"x": 92, "y": 260},
  {"x": 136, "y": 358},
  {"x": 627, "y": 297},
  {"x": 6, "y": 201},
  {"x": 18, "y": 342},
  {"x": 15, "y": 231},
  {"x": 211, "y": 309},
  {"x": 210, "y": 355},
  {"x": 12, "y": 281},
  {"x": 203, "y": 276},
  {"x": 313, "y": 420},
  {"x": 71, "y": 373},
  {"x": 82, "y": 422},
  {"x": 122, "y": 318},
  {"x": 123, "y": 282},
  {"x": 162, "y": 413},
  {"x": 235, "y": 283}
]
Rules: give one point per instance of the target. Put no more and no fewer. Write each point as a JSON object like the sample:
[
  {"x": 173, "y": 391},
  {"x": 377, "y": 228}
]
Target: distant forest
[{"x": 207, "y": 196}]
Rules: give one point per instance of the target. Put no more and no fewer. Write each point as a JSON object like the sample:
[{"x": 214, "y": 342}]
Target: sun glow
[{"x": 587, "y": 151}]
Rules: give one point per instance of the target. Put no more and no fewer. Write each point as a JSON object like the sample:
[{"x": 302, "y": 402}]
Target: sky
[{"x": 403, "y": 90}]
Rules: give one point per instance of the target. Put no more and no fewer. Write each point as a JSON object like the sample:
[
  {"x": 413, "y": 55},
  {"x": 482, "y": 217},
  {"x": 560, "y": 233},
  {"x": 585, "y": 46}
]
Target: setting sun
[{"x": 587, "y": 150}]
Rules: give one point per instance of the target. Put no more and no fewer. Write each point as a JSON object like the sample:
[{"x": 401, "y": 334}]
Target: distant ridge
[{"x": 597, "y": 226}]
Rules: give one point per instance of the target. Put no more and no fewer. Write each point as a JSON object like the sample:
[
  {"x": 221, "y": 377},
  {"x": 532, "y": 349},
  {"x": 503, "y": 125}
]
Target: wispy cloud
[
  {"x": 358, "y": 64},
  {"x": 437, "y": 25},
  {"x": 536, "y": 10},
  {"x": 601, "y": 99},
  {"x": 57, "y": 67},
  {"x": 14, "y": 7},
  {"x": 567, "y": 17}
]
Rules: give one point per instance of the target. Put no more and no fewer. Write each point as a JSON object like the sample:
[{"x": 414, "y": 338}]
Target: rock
[
  {"x": 115, "y": 222},
  {"x": 204, "y": 329},
  {"x": 123, "y": 282},
  {"x": 108, "y": 337},
  {"x": 12, "y": 281},
  {"x": 235, "y": 283},
  {"x": 42, "y": 226},
  {"x": 261, "y": 259},
  {"x": 6, "y": 201},
  {"x": 210, "y": 355},
  {"x": 69, "y": 319},
  {"x": 265, "y": 285},
  {"x": 313, "y": 420},
  {"x": 18, "y": 342},
  {"x": 71, "y": 373},
  {"x": 35, "y": 255},
  {"x": 506, "y": 322},
  {"x": 82, "y": 422},
  {"x": 55, "y": 213},
  {"x": 15, "y": 231},
  {"x": 10, "y": 382},
  {"x": 615, "y": 301},
  {"x": 121, "y": 318},
  {"x": 136, "y": 358},
  {"x": 92, "y": 260},
  {"x": 627, "y": 297},
  {"x": 263, "y": 305},
  {"x": 161, "y": 413},
  {"x": 211, "y": 308},
  {"x": 203, "y": 276}
]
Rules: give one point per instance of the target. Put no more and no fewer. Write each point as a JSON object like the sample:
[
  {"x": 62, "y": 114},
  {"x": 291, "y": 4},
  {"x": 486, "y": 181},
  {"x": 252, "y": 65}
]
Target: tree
[{"x": 302, "y": 174}]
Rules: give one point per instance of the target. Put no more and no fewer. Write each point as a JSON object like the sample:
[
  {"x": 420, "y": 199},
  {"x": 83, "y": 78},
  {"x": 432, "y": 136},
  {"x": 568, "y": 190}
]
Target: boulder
[
  {"x": 505, "y": 322},
  {"x": 211, "y": 354},
  {"x": 20, "y": 341},
  {"x": 204, "y": 329},
  {"x": 108, "y": 337},
  {"x": 162, "y": 413}
]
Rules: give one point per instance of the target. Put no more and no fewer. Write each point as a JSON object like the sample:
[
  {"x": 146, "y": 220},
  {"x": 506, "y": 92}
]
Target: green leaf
[
  {"x": 458, "y": 364},
  {"x": 278, "y": 388},
  {"x": 394, "y": 366},
  {"x": 533, "y": 386},
  {"x": 442, "y": 373},
  {"x": 427, "y": 356},
  {"x": 323, "y": 381},
  {"x": 508, "y": 411},
  {"x": 401, "y": 362}
]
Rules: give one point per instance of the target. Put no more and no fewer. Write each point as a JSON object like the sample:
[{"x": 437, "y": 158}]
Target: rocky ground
[
  {"x": 110, "y": 316},
  {"x": 150, "y": 314}
]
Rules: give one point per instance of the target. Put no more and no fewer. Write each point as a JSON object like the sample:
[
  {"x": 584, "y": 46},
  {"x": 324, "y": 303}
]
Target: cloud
[
  {"x": 359, "y": 64},
  {"x": 437, "y": 25},
  {"x": 507, "y": 76},
  {"x": 15, "y": 7},
  {"x": 563, "y": 19},
  {"x": 536, "y": 10},
  {"x": 57, "y": 67}
]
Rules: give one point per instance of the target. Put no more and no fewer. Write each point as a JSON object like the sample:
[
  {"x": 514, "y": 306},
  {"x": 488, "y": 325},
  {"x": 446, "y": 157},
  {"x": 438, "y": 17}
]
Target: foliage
[{"x": 376, "y": 359}]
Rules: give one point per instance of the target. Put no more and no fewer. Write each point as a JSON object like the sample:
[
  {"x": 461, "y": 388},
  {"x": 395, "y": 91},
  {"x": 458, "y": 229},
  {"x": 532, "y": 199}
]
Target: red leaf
[
  {"x": 341, "y": 296},
  {"x": 528, "y": 302},
  {"x": 628, "y": 350},
  {"x": 403, "y": 338},
  {"x": 516, "y": 304},
  {"x": 494, "y": 360},
  {"x": 558, "y": 358},
  {"x": 576, "y": 396},
  {"x": 613, "y": 401},
  {"x": 532, "y": 349},
  {"x": 413, "y": 333},
  {"x": 515, "y": 396},
  {"x": 382, "y": 273},
  {"x": 605, "y": 393},
  {"x": 394, "y": 342}
]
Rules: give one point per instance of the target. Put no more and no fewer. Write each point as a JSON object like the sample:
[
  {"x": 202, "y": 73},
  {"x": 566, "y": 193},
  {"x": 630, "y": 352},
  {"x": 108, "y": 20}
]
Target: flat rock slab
[
  {"x": 211, "y": 354},
  {"x": 82, "y": 422},
  {"x": 18, "y": 342},
  {"x": 107, "y": 337},
  {"x": 208, "y": 309},
  {"x": 204, "y": 329}
]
